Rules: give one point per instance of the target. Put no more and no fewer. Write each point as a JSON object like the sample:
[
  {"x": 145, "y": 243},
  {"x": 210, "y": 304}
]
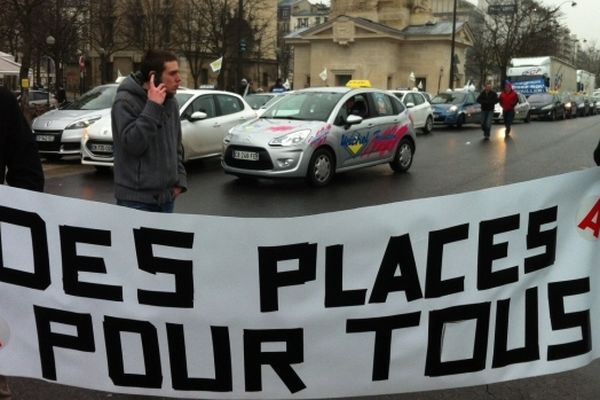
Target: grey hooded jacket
[{"x": 148, "y": 151}]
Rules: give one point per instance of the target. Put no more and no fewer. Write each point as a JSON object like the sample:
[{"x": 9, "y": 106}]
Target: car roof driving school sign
[{"x": 403, "y": 297}]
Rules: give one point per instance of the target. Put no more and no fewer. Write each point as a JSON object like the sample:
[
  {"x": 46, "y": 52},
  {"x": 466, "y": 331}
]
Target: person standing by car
[
  {"x": 20, "y": 164},
  {"x": 488, "y": 99},
  {"x": 277, "y": 87},
  {"x": 508, "y": 100},
  {"x": 148, "y": 152}
]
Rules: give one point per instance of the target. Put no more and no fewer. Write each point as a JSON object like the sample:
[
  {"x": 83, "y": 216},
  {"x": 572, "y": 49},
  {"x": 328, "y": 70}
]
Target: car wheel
[
  {"x": 460, "y": 121},
  {"x": 428, "y": 125},
  {"x": 320, "y": 168},
  {"x": 553, "y": 115},
  {"x": 404, "y": 156}
]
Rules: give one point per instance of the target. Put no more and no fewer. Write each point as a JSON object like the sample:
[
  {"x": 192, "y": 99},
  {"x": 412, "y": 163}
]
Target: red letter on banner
[{"x": 592, "y": 220}]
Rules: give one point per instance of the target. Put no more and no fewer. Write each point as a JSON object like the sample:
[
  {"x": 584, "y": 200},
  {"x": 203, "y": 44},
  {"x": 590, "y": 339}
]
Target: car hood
[
  {"x": 540, "y": 103},
  {"x": 101, "y": 129},
  {"x": 59, "y": 119},
  {"x": 443, "y": 107},
  {"x": 261, "y": 131}
]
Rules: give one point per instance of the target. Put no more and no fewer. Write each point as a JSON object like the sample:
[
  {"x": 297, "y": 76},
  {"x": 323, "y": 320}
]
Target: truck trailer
[
  {"x": 530, "y": 75},
  {"x": 586, "y": 82}
]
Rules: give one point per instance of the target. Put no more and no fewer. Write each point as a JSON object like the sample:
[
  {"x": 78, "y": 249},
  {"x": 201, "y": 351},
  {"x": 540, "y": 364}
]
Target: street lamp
[
  {"x": 452, "y": 46},
  {"x": 50, "y": 42}
]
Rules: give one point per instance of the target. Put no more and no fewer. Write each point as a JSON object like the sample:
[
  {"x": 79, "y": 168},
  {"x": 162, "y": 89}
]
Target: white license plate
[
  {"x": 101, "y": 148},
  {"x": 245, "y": 155},
  {"x": 44, "y": 138}
]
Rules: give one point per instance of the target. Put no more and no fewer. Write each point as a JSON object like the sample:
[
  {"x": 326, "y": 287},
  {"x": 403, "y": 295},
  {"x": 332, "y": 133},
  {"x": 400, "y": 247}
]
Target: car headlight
[
  {"x": 290, "y": 139},
  {"x": 568, "y": 105},
  {"x": 453, "y": 109},
  {"x": 547, "y": 108},
  {"x": 83, "y": 123}
]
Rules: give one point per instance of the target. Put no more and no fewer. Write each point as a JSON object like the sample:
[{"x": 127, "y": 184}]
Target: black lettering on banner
[
  {"x": 488, "y": 252},
  {"x": 113, "y": 327},
  {"x": 182, "y": 270},
  {"x": 531, "y": 350},
  {"x": 434, "y": 365},
  {"x": 40, "y": 278},
  {"x": 222, "y": 382},
  {"x": 434, "y": 285},
  {"x": 48, "y": 340},
  {"x": 270, "y": 280},
  {"x": 383, "y": 328},
  {"x": 538, "y": 238},
  {"x": 73, "y": 263},
  {"x": 559, "y": 319},
  {"x": 335, "y": 295},
  {"x": 281, "y": 362},
  {"x": 399, "y": 253}
]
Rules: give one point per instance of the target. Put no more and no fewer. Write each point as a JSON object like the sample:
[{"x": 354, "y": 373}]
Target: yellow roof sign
[{"x": 358, "y": 83}]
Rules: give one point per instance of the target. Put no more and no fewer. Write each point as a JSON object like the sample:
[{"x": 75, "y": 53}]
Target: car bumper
[
  {"x": 58, "y": 142},
  {"x": 539, "y": 113},
  {"x": 97, "y": 153},
  {"x": 444, "y": 119},
  {"x": 275, "y": 162}
]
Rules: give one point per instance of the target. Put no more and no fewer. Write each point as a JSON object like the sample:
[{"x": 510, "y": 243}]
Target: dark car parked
[
  {"x": 583, "y": 106},
  {"x": 570, "y": 105},
  {"x": 546, "y": 106}
]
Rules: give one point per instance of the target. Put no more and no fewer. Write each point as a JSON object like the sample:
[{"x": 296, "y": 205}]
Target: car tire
[
  {"x": 553, "y": 115},
  {"x": 403, "y": 157},
  {"x": 321, "y": 168},
  {"x": 460, "y": 121},
  {"x": 428, "y": 127}
]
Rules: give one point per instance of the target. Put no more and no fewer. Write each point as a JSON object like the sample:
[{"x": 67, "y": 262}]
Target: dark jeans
[
  {"x": 165, "y": 208},
  {"x": 486, "y": 121},
  {"x": 508, "y": 116}
]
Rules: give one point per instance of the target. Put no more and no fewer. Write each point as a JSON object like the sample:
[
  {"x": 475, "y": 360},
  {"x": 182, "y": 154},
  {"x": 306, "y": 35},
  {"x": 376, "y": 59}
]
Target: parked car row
[{"x": 311, "y": 133}]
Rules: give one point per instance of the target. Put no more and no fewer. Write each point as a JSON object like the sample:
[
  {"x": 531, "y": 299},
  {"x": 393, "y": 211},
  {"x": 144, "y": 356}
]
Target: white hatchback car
[
  {"x": 419, "y": 108},
  {"x": 206, "y": 117},
  {"x": 58, "y": 132}
]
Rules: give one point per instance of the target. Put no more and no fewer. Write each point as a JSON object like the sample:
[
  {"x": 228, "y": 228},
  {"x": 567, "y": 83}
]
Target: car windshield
[
  {"x": 96, "y": 99},
  {"x": 256, "y": 101},
  {"x": 309, "y": 106},
  {"x": 449, "y": 98},
  {"x": 540, "y": 98}
]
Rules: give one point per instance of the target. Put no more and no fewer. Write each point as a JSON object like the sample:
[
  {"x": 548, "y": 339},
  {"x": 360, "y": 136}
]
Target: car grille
[{"x": 264, "y": 160}]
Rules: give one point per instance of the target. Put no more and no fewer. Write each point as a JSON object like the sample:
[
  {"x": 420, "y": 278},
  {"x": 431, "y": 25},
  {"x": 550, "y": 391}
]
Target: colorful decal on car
[
  {"x": 281, "y": 128},
  {"x": 354, "y": 144},
  {"x": 320, "y": 136},
  {"x": 385, "y": 142}
]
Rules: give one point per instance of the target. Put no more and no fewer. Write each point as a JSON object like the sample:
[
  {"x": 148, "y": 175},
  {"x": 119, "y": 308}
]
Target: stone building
[{"x": 392, "y": 43}]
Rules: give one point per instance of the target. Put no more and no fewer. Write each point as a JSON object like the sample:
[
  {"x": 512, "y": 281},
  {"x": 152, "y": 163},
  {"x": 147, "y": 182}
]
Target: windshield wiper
[{"x": 288, "y": 117}]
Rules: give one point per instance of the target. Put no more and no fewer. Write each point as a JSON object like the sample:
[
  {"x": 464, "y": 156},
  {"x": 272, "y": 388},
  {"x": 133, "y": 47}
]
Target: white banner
[{"x": 434, "y": 293}]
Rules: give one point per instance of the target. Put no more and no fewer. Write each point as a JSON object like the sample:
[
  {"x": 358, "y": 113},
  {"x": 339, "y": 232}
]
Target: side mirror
[
  {"x": 410, "y": 105},
  {"x": 197, "y": 115},
  {"x": 353, "y": 119}
]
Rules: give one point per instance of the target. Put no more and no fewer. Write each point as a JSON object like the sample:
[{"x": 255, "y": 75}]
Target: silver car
[
  {"x": 206, "y": 117},
  {"x": 314, "y": 133},
  {"x": 58, "y": 132}
]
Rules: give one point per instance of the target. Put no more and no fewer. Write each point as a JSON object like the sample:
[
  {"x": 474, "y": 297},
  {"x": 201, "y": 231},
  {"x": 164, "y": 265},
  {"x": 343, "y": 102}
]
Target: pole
[
  {"x": 452, "y": 72},
  {"x": 48, "y": 80}
]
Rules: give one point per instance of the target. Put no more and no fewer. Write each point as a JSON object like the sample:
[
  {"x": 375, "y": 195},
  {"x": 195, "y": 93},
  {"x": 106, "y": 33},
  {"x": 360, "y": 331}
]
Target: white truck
[
  {"x": 530, "y": 75},
  {"x": 586, "y": 82}
]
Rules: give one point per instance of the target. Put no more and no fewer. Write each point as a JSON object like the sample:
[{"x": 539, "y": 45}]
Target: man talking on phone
[{"x": 148, "y": 153}]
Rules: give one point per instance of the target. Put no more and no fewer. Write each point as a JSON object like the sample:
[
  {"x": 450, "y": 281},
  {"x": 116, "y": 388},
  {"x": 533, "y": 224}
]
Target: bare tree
[
  {"x": 531, "y": 30},
  {"x": 149, "y": 23}
]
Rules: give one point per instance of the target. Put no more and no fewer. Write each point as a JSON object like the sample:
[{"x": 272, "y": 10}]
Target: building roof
[
  {"x": 8, "y": 66},
  {"x": 440, "y": 28}
]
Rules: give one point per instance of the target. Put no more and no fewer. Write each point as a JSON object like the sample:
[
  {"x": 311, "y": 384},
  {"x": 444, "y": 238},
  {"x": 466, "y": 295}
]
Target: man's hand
[{"x": 158, "y": 93}]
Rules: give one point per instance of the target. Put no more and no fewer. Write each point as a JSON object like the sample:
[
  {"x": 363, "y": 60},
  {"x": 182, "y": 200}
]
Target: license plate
[
  {"x": 44, "y": 138},
  {"x": 245, "y": 155},
  {"x": 101, "y": 148}
]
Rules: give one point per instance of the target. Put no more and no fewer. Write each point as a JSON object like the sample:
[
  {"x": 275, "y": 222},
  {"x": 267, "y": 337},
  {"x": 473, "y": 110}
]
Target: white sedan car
[
  {"x": 206, "y": 117},
  {"x": 419, "y": 108}
]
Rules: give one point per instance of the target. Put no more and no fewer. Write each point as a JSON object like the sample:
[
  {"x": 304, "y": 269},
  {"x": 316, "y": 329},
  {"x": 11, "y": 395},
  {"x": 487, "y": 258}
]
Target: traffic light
[{"x": 243, "y": 45}]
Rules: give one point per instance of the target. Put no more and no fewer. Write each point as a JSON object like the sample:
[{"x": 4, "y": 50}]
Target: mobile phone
[{"x": 157, "y": 80}]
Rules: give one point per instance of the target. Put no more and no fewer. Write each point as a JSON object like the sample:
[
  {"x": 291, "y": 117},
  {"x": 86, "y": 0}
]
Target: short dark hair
[{"x": 154, "y": 60}]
